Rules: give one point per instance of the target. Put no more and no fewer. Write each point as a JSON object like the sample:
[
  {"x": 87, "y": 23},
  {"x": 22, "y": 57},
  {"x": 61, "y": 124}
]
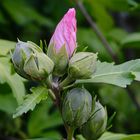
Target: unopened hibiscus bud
[
  {"x": 30, "y": 62},
  {"x": 63, "y": 42},
  {"x": 76, "y": 107},
  {"x": 97, "y": 124},
  {"x": 82, "y": 65}
]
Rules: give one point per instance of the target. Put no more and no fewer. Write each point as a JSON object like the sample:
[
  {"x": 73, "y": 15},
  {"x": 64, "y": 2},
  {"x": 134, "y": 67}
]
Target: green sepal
[
  {"x": 30, "y": 67},
  {"x": 39, "y": 66},
  {"x": 19, "y": 66},
  {"x": 51, "y": 51},
  {"x": 34, "y": 46},
  {"x": 59, "y": 58},
  {"x": 45, "y": 64}
]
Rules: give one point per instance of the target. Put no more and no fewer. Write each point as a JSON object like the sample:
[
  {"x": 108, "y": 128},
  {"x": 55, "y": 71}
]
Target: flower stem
[
  {"x": 70, "y": 133},
  {"x": 69, "y": 86},
  {"x": 66, "y": 81},
  {"x": 51, "y": 94},
  {"x": 54, "y": 93}
]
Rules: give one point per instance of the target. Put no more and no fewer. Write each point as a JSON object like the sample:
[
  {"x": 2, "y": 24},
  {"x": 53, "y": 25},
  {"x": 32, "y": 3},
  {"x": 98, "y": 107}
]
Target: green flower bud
[
  {"x": 96, "y": 125},
  {"x": 76, "y": 107},
  {"x": 82, "y": 65},
  {"x": 30, "y": 62}
]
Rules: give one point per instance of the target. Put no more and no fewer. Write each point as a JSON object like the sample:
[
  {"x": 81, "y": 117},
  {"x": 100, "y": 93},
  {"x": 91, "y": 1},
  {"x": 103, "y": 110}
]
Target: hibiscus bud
[
  {"x": 65, "y": 33},
  {"x": 96, "y": 125},
  {"x": 30, "y": 62},
  {"x": 82, "y": 65},
  {"x": 76, "y": 107},
  {"x": 63, "y": 42}
]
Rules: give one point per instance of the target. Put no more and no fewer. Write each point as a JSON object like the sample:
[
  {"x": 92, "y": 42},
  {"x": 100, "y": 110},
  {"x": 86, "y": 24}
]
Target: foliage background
[{"x": 35, "y": 20}]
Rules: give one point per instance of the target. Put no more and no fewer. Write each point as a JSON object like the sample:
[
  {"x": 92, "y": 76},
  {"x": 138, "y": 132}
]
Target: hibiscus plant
[{"x": 62, "y": 71}]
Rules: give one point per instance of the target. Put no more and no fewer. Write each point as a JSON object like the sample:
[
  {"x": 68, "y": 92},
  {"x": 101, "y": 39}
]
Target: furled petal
[{"x": 65, "y": 33}]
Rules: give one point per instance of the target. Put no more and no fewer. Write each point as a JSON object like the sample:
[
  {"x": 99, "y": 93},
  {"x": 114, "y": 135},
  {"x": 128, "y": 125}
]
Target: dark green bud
[
  {"x": 82, "y": 65},
  {"x": 76, "y": 107},
  {"x": 30, "y": 62},
  {"x": 96, "y": 125}
]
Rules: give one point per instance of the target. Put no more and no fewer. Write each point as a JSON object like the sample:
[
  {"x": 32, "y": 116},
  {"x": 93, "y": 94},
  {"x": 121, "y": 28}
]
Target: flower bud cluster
[
  {"x": 32, "y": 63},
  {"x": 61, "y": 62},
  {"x": 79, "y": 110}
]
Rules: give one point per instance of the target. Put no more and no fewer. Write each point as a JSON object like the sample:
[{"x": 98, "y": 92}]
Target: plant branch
[
  {"x": 106, "y": 45},
  {"x": 56, "y": 91}
]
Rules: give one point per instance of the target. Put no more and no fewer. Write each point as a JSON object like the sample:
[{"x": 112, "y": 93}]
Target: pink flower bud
[{"x": 65, "y": 33}]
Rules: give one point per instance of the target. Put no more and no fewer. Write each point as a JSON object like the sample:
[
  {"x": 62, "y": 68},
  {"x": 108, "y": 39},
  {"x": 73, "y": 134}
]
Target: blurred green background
[{"x": 35, "y": 20}]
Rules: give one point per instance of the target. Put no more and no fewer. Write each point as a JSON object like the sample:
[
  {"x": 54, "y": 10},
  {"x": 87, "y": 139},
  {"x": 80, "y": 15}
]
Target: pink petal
[{"x": 65, "y": 33}]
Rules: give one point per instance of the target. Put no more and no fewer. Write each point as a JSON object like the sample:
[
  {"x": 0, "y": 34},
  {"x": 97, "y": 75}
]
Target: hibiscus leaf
[
  {"x": 119, "y": 75},
  {"x": 31, "y": 100}
]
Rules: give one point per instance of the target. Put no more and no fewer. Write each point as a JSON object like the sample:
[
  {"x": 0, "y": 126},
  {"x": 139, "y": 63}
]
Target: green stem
[
  {"x": 52, "y": 95},
  {"x": 70, "y": 133},
  {"x": 69, "y": 86},
  {"x": 22, "y": 134},
  {"x": 49, "y": 81},
  {"x": 66, "y": 81}
]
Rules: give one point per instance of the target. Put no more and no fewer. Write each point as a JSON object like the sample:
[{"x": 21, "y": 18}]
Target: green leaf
[
  {"x": 134, "y": 6},
  {"x": 98, "y": 11},
  {"x": 53, "y": 135},
  {"x": 113, "y": 136},
  {"x": 6, "y": 46},
  {"x": 14, "y": 81},
  {"x": 132, "y": 40},
  {"x": 122, "y": 104},
  {"x": 43, "y": 139},
  {"x": 132, "y": 137},
  {"x": 80, "y": 137},
  {"x": 22, "y": 15},
  {"x": 7, "y": 103},
  {"x": 2, "y": 18},
  {"x": 38, "y": 94},
  {"x": 117, "y": 34},
  {"x": 47, "y": 119},
  {"x": 119, "y": 75},
  {"x": 116, "y": 5}
]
